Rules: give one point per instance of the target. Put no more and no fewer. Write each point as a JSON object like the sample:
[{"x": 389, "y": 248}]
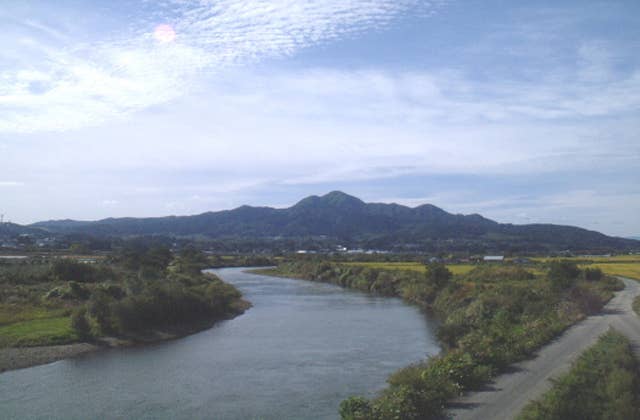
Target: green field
[
  {"x": 38, "y": 332},
  {"x": 10, "y": 313}
]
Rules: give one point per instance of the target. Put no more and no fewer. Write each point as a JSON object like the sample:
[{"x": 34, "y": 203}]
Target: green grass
[
  {"x": 12, "y": 313},
  {"x": 604, "y": 383},
  {"x": 38, "y": 332}
]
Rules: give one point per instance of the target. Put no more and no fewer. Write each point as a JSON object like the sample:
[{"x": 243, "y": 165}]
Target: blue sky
[{"x": 521, "y": 111}]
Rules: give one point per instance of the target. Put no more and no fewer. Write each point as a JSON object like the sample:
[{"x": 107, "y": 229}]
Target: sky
[{"x": 524, "y": 112}]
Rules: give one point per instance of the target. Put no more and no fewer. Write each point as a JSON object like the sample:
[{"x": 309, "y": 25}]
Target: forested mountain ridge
[{"x": 344, "y": 217}]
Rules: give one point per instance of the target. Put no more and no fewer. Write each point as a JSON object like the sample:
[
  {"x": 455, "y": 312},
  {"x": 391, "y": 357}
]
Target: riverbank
[
  {"x": 491, "y": 317},
  {"x": 141, "y": 296},
  {"x": 13, "y": 358}
]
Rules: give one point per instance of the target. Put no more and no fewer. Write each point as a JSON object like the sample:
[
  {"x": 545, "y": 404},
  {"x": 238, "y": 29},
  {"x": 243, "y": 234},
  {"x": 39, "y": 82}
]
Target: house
[{"x": 493, "y": 258}]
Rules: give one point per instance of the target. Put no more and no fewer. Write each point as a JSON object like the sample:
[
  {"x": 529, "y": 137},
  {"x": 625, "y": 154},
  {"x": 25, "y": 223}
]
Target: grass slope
[{"x": 604, "y": 383}]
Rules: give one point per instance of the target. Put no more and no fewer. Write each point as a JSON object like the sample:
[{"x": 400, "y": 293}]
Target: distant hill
[
  {"x": 347, "y": 218},
  {"x": 13, "y": 229}
]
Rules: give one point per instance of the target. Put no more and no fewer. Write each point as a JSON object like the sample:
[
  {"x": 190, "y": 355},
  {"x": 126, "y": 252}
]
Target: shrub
[
  {"x": 80, "y": 323},
  {"x": 355, "y": 408},
  {"x": 438, "y": 274},
  {"x": 592, "y": 274},
  {"x": 636, "y": 305},
  {"x": 99, "y": 309},
  {"x": 562, "y": 274},
  {"x": 67, "y": 270},
  {"x": 77, "y": 291},
  {"x": 604, "y": 383}
]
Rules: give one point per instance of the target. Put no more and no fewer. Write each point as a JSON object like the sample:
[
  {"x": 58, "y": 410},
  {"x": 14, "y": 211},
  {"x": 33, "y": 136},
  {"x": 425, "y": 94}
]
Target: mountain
[
  {"x": 12, "y": 229},
  {"x": 346, "y": 218}
]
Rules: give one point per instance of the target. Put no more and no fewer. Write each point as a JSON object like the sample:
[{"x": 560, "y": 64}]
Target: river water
[{"x": 301, "y": 349}]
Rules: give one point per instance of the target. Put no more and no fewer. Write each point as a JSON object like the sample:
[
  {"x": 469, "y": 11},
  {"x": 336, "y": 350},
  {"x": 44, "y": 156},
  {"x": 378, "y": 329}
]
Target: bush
[
  {"x": 99, "y": 309},
  {"x": 80, "y": 323},
  {"x": 636, "y": 305},
  {"x": 604, "y": 383},
  {"x": 67, "y": 270},
  {"x": 355, "y": 408},
  {"x": 166, "y": 305},
  {"x": 438, "y": 274},
  {"x": 562, "y": 274},
  {"x": 592, "y": 274},
  {"x": 77, "y": 291}
]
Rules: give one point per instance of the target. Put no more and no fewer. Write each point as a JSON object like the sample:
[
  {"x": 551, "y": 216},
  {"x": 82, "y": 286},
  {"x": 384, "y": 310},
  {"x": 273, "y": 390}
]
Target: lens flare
[{"x": 164, "y": 33}]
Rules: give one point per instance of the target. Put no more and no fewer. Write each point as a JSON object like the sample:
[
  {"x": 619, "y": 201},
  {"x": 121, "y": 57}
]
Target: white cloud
[
  {"x": 72, "y": 85},
  {"x": 212, "y": 130},
  {"x": 11, "y": 184}
]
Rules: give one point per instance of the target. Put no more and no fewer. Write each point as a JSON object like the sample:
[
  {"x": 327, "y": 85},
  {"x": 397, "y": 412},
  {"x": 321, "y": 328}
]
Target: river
[{"x": 301, "y": 349}]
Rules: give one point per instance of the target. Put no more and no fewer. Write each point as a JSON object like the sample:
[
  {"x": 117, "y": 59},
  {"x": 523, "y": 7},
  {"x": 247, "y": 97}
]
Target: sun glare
[{"x": 164, "y": 33}]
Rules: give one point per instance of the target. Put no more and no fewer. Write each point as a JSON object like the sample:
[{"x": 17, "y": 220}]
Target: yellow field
[
  {"x": 616, "y": 265},
  {"x": 617, "y": 258},
  {"x": 622, "y": 265},
  {"x": 411, "y": 266},
  {"x": 612, "y": 259},
  {"x": 631, "y": 270}
]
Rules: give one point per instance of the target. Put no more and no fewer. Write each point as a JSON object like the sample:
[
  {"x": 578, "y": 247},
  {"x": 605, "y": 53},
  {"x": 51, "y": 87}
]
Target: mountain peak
[
  {"x": 339, "y": 199},
  {"x": 335, "y": 199}
]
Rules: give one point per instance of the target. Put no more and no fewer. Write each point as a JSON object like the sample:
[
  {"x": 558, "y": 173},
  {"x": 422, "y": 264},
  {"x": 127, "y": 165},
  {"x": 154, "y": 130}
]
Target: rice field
[
  {"x": 627, "y": 258},
  {"x": 631, "y": 270},
  {"x": 623, "y": 265},
  {"x": 411, "y": 266}
]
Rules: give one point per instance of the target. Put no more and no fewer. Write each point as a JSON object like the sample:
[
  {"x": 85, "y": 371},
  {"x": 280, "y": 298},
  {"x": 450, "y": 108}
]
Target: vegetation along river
[{"x": 301, "y": 349}]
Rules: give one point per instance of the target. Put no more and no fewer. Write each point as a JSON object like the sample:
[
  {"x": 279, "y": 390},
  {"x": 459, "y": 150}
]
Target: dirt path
[{"x": 510, "y": 392}]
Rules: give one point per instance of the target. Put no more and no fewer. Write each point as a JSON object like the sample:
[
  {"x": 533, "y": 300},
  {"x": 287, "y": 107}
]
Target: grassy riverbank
[
  {"x": 492, "y": 316},
  {"x": 136, "y": 295},
  {"x": 604, "y": 383}
]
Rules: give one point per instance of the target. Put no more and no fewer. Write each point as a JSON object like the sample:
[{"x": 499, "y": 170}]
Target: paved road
[{"x": 510, "y": 392}]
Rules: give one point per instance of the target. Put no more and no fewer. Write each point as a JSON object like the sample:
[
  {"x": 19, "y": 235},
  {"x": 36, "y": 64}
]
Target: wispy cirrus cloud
[{"x": 52, "y": 82}]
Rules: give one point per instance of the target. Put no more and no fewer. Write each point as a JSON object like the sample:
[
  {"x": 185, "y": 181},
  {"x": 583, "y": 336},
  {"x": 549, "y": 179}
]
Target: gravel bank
[{"x": 22, "y": 357}]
